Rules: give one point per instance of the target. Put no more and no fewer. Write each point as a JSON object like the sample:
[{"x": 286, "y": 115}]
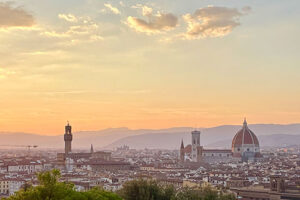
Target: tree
[
  {"x": 151, "y": 190},
  {"x": 50, "y": 188},
  {"x": 146, "y": 190}
]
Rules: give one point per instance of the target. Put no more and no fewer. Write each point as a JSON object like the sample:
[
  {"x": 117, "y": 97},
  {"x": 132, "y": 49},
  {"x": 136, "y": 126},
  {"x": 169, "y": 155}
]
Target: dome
[{"x": 245, "y": 137}]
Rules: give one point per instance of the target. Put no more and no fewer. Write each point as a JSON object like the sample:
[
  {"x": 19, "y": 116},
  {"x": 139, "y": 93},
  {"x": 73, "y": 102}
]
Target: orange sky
[{"x": 110, "y": 65}]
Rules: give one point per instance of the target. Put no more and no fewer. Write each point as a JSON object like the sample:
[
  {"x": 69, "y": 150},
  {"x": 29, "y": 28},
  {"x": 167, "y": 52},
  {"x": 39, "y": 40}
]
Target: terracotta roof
[
  {"x": 188, "y": 149},
  {"x": 244, "y": 136}
]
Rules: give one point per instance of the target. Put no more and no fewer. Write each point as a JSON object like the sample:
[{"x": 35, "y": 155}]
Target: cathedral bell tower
[
  {"x": 68, "y": 139},
  {"x": 195, "y": 146}
]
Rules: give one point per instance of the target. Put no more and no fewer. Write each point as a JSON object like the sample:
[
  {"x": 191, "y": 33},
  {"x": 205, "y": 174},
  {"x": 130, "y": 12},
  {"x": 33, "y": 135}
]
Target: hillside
[{"x": 269, "y": 134}]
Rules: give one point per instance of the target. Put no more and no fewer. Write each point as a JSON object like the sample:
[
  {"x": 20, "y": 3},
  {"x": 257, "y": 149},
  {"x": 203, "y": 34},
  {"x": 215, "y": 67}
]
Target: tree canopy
[
  {"x": 50, "y": 188},
  {"x": 152, "y": 190}
]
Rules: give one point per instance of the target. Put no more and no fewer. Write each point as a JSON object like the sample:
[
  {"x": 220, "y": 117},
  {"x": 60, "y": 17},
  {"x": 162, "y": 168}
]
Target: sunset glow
[{"x": 147, "y": 64}]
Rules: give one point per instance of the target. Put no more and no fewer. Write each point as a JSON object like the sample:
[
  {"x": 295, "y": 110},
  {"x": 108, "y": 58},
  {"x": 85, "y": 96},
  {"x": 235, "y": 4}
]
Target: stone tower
[
  {"x": 195, "y": 145},
  {"x": 182, "y": 152},
  {"x": 277, "y": 183},
  {"x": 68, "y": 139},
  {"x": 92, "y": 149}
]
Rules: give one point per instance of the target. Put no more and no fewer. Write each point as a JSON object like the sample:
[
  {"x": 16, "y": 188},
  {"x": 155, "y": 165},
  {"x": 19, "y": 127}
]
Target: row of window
[{"x": 247, "y": 149}]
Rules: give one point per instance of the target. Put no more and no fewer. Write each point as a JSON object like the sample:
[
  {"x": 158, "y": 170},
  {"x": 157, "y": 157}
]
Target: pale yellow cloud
[
  {"x": 79, "y": 29},
  {"x": 157, "y": 23},
  {"x": 212, "y": 21},
  {"x": 112, "y": 9},
  {"x": 14, "y": 16},
  {"x": 147, "y": 11},
  {"x": 68, "y": 17},
  {"x": 4, "y": 73}
]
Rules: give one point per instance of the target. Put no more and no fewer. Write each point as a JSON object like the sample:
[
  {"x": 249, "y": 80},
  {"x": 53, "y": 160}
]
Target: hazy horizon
[{"x": 139, "y": 129}]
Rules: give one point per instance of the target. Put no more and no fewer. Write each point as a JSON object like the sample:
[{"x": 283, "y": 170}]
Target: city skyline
[{"x": 147, "y": 64}]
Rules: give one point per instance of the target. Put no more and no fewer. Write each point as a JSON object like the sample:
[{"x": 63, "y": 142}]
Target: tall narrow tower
[
  {"x": 195, "y": 145},
  {"x": 68, "y": 139},
  {"x": 92, "y": 149},
  {"x": 182, "y": 152}
]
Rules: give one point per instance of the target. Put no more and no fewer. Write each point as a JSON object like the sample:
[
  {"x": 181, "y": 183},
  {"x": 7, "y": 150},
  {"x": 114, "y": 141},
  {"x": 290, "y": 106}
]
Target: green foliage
[
  {"x": 146, "y": 190},
  {"x": 151, "y": 190},
  {"x": 50, "y": 188}
]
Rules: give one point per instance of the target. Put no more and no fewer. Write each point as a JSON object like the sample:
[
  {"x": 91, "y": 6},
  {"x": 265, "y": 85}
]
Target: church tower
[
  {"x": 195, "y": 145},
  {"x": 182, "y": 153},
  {"x": 92, "y": 149},
  {"x": 68, "y": 139}
]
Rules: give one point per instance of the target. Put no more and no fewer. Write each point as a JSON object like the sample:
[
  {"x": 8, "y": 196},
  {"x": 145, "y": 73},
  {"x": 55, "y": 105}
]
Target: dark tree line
[{"x": 151, "y": 190}]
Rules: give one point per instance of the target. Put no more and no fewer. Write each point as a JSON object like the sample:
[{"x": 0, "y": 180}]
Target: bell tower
[
  {"x": 68, "y": 139},
  {"x": 195, "y": 145}
]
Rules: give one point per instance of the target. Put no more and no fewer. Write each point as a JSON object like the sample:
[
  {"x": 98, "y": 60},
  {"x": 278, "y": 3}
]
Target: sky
[{"x": 147, "y": 64}]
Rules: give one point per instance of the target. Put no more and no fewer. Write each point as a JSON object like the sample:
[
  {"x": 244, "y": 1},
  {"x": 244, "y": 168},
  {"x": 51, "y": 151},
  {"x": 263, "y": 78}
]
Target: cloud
[
  {"x": 14, "y": 16},
  {"x": 212, "y": 22},
  {"x": 112, "y": 9},
  {"x": 155, "y": 23},
  {"x": 5, "y": 73},
  {"x": 78, "y": 29},
  {"x": 146, "y": 11},
  {"x": 122, "y": 3},
  {"x": 68, "y": 17}
]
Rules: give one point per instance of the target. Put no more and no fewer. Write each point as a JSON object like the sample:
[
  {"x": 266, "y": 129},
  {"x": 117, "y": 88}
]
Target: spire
[
  {"x": 68, "y": 128},
  {"x": 182, "y": 145},
  {"x": 245, "y": 122},
  {"x": 92, "y": 149}
]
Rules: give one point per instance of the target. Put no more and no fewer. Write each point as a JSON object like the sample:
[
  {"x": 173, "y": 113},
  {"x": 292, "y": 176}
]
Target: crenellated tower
[{"x": 68, "y": 137}]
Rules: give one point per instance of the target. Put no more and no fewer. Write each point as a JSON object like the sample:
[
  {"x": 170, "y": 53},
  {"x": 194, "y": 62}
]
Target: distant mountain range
[{"x": 220, "y": 136}]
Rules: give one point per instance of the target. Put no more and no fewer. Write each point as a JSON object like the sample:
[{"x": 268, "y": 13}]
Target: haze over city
[
  {"x": 149, "y": 100},
  {"x": 147, "y": 64}
]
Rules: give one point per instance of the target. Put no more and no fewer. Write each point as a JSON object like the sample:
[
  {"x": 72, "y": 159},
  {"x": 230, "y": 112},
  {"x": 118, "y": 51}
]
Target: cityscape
[
  {"x": 149, "y": 100},
  {"x": 246, "y": 170}
]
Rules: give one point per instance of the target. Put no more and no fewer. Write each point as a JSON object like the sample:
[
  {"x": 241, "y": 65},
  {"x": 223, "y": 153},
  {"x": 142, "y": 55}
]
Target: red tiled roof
[
  {"x": 188, "y": 149},
  {"x": 244, "y": 136}
]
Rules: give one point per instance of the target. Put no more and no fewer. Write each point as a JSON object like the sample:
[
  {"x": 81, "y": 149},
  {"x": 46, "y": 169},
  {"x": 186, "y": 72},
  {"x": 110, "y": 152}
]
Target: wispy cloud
[
  {"x": 5, "y": 73},
  {"x": 79, "y": 29},
  {"x": 155, "y": 23},
  {"x": 68, "y": 17},
  {"x": 212, "y": 21},
  {"x": 112, "y": 9},
  {"x": 14, "y": 16}
]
